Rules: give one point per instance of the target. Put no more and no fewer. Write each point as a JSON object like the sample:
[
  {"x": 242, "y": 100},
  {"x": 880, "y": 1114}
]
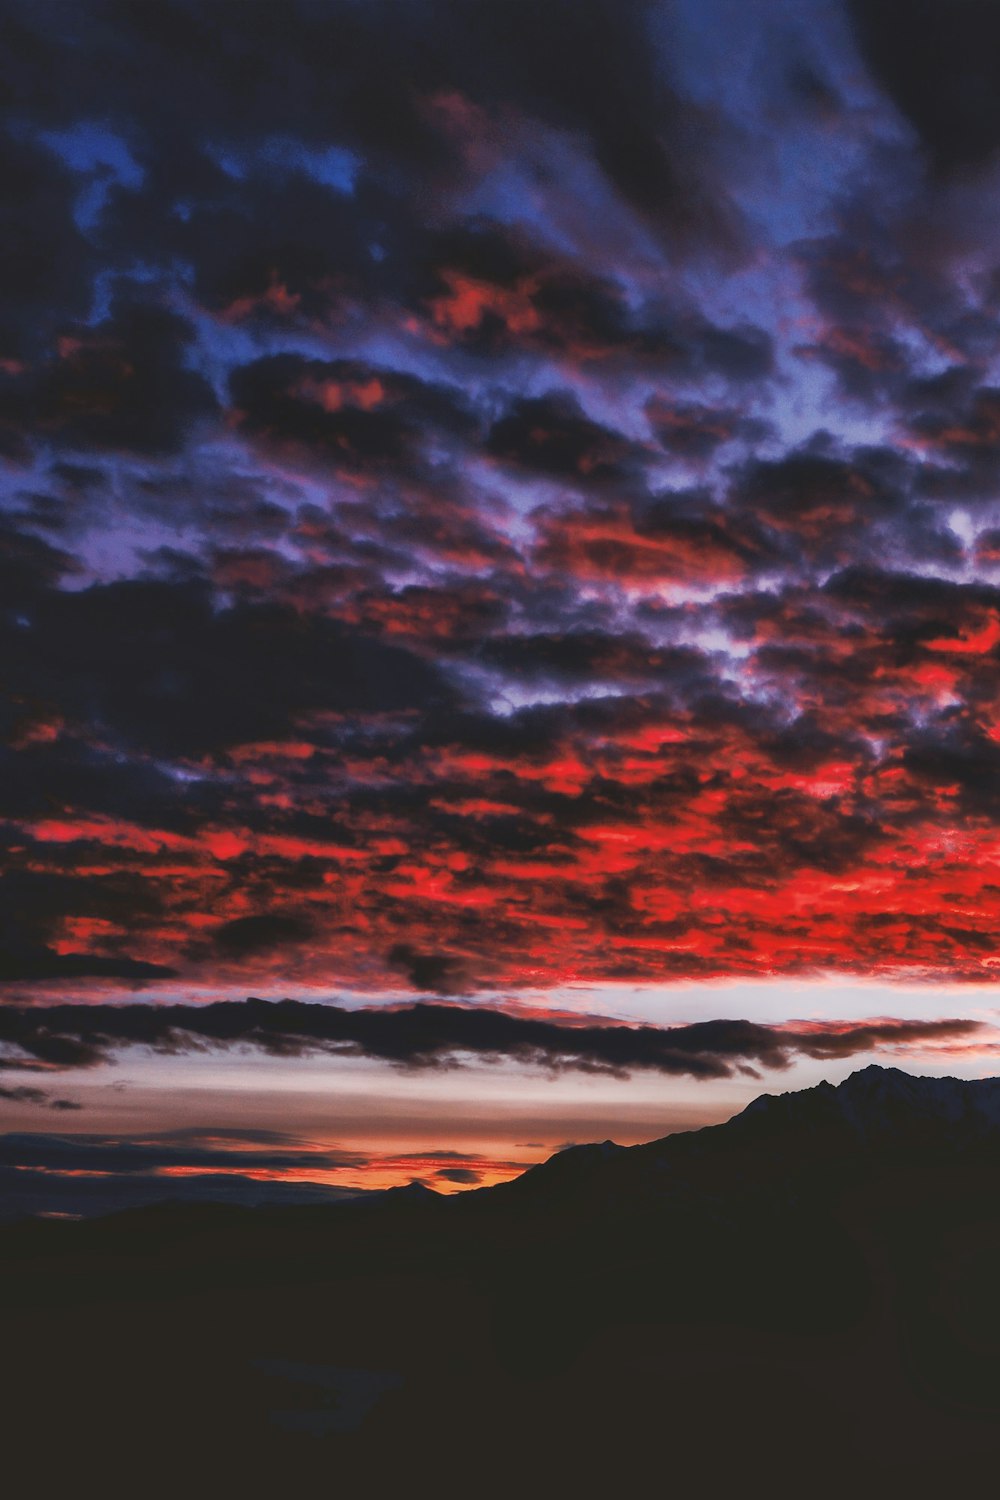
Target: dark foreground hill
[{"x": 803, "y": 1300}]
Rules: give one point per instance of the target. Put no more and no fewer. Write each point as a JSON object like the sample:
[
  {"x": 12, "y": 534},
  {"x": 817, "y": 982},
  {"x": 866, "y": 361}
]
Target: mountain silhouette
[{"x": 809, "y": 1290}]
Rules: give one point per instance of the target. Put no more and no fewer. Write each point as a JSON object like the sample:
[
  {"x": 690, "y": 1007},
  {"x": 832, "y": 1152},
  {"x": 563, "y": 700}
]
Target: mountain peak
[{"x": 880, "y": 1101}]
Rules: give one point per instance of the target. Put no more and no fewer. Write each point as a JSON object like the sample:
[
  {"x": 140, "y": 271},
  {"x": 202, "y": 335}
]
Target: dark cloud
[
  {"x": 93, "y": 1153},
  {"x": 158, "y": 667},
  {"x": 693, "y": 430},
  {"x": 439, "y": 973},
  {"x": 354, "y": 416},
  {"x": 492, "y": 291},
  {"x": 368, "y": 78},
  {"x": 28, "y": 565},
  {"x": 45, "y": 262},
  {"x": 818, "y": 497},
  {"x": 961, "y": 429},
  {"x": 551, "y": 436},
  {"x": 424, "y": 1035},
  {"x": 465, "y": 1176},
  {"x": 124, "y": 385},
  {"x": 937, "y": 59},
  {"x": 258, "y": 933},
  {"x": 586, "y": 656},
  {"x": 284, "y": 252},
  {"x": 495, "y": 497},
  {"x": 19, "y": 962},
  {"x": 25, "y": 1192},
  {"x": 25, "y": 1094}
]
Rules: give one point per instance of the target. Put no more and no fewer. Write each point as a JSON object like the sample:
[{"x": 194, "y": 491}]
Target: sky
[{"x": 499, "y": 576}]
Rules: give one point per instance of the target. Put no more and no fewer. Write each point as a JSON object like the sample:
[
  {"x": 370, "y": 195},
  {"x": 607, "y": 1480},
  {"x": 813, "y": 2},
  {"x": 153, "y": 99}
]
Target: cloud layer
[
  {"x": 61, "y": 1037},
  {"x": 498, "y": 496}
]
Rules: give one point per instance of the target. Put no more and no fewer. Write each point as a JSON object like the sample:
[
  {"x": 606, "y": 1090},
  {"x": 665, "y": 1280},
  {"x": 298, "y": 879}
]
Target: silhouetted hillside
[{"x": 813, "y": 1282}]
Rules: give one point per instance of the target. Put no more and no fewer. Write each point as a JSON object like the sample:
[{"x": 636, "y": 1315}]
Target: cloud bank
[
  {"x": 60, "y": 1037},
  {"x": 498, "y": 495}
]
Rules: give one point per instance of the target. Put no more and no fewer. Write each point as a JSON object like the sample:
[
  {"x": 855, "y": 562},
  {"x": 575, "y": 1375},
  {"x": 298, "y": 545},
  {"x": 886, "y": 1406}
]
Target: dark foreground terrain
[{"x": 803, "y": 1301}]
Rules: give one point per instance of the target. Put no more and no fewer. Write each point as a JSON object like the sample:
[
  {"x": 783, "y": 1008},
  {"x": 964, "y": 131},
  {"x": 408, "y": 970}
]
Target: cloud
[
  {"x": 254, "y": 933},
  {"x": 157, "y": 666},
  {"x": 550, "y": 435},
  {"x": 81, "y": 1174},
  {"x": 428, "y": 1035},
  {"x": 25, "y": 963},
  {"x": 358, "y": 418},
  {"x": 157, "y": 1153},
  {"x": 25, "y": 1192},
  {"x": 123, "y": 385},
  {"x": 496, "y": 505},
  {"x": 439, "y": 972},
  {"x": 465, "y": 1176},
  {"x": 48, "y": 263},
  {"x": 939, "y": 67},
  {"x": 25, "y": 1094},
  {"x": 670, "y": 536}
]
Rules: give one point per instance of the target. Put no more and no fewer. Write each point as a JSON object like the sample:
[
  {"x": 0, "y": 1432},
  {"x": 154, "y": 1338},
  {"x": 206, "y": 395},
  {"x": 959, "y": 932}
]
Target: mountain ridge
[
  {"x": 875, "y": 1111},
  {"x": 828, "y": 1255},
  {"x": 872, "y": 1104}
]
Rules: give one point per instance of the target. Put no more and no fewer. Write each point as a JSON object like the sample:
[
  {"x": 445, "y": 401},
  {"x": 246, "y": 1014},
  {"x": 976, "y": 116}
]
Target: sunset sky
[{"x": 499, "y": 514}]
